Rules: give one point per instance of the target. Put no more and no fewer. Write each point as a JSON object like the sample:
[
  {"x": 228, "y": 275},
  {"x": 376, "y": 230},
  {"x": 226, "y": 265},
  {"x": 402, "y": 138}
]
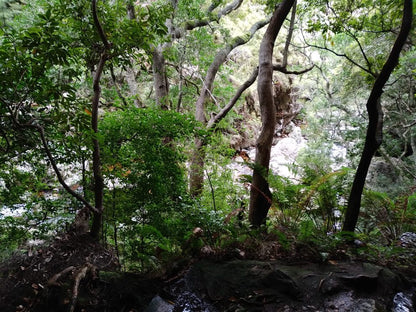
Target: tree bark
[
  {"x": 197, "y": 163},
  {"x": 289, "y": 36},
  {"x": 260, "y": 195},
  {"x": 160, "y": 80},
  {"x": 96, "y": 157},
  {"x": 374, "y": 134}
]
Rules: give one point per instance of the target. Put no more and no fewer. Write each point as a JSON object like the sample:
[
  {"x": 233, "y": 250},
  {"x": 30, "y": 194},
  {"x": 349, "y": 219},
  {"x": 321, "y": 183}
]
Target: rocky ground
[
  {"x": 74, "y": 273},
  {"x": 250, "y": 285}
]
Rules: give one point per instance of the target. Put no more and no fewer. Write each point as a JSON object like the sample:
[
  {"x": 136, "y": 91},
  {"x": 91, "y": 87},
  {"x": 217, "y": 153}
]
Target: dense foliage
[{"x": 49, "y": 52}]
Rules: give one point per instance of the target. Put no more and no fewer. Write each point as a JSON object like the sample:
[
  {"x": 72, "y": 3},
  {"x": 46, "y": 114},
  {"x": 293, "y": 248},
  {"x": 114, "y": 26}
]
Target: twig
[
  {"x": 212, "y": 191},
  {"x": 113, "y": 77}
]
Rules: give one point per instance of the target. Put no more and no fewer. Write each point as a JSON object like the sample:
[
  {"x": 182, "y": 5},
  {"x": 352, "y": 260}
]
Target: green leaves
[{"x": 141, "y": 148}]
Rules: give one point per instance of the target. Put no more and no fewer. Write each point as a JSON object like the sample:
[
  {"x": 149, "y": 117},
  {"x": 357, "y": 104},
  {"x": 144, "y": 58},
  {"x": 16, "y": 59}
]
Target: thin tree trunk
[
  {"x": 196, "y": 170},
  {"x": 197, "y": 163},
  {"x": 260, "y": 195},
  {"x": 374, "y": 134},
  {"x": 96, "y": 157},
  {"x": 289, "y": 36}
]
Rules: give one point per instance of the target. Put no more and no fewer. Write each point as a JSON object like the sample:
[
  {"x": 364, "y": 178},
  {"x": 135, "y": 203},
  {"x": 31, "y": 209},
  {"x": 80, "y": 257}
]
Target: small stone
[
  {"x": 408, "y": 240},
  {"x": 159, "y": 305}
]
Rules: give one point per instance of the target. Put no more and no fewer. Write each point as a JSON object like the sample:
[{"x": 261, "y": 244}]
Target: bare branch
[
  {"x": 214, "y": 4},
  {"x": 362, "y": 52},
  {"x": 339, "y": 54},
  {"x": 289, "y": 35},
  {"x": 192, "y": 24},
  {"x": 113, "y": 77},
  {"x": 217, "y": 118},
  {"x": 58, "y": 173},
  {"x": 97, "y": 24},
  {"x": 52, "y": 161},
  {"x": 284, "y": 70},
  {"x": 219, "y": 59},
  {"x": 229, "y": 8}
]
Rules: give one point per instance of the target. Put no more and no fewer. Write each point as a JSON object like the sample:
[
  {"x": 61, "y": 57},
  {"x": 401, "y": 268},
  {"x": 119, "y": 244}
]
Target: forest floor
[{"x": 75, "y": 273}]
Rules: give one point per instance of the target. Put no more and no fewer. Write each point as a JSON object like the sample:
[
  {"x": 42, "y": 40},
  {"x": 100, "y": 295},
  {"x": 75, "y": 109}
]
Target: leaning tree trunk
[
  {"x": 374, "y": 134},
  {"x": 196, "y": 180},
  {"x": 260, "y": 195}
]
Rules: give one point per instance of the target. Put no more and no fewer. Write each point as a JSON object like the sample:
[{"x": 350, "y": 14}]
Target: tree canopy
[{"x": 139, "y": 112}]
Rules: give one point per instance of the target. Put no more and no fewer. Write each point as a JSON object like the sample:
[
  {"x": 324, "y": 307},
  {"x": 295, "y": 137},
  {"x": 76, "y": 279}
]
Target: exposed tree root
[
  {"x": 80, "y": 275},
  {"x": 53, "y": 281}
]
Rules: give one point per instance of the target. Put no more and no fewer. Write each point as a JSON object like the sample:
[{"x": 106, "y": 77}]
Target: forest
[{"x": 207, "y": 155}]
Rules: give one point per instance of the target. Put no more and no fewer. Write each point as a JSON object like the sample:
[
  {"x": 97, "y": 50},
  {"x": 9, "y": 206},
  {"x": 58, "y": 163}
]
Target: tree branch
[
  {"x": 98, "y": 26},
  {"x": 363, "y": 53},
  {"x": 340, "y": 55},
  {"x": 289, "y": 36},
  {"x": 217, "y": 118},
  {"x": 284, "y": 70},
  {"x": 113, "y": 77},
  {"x": 192, "y": 24},
  {"x": 219, "y": 59},
  {"x": 52, "y": 161},
  {"x": 229, "y": 8}
]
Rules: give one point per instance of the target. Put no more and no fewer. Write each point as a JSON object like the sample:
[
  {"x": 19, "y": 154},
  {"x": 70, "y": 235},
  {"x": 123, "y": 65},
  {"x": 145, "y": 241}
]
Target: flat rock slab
[{"x": 249, "y": 285}]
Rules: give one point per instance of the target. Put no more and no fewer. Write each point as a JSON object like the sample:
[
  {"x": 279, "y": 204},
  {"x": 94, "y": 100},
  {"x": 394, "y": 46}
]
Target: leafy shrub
[
  {"x": 382, "y": 216},
  {"x": 319, "y": 200},
  {"x": 146, "y": 206}
]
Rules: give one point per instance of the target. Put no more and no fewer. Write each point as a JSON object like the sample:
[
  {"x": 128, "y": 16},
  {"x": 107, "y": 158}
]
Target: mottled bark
[
  {"x": 260, "y": 195},
  {"x": 374, "y": 134},
  {"x": 196, "y": 170},
  {"x": 197, "y": 163},
  {"x": 160, "y": 80}
]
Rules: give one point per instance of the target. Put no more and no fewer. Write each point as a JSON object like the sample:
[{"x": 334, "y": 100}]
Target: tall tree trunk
[
  {"x": 160, "y": 80},
  {"x": 197, "y": 163},
  {"x": 96, "y": 158},
  {"x": 260, "y": 195},
  {"x": 374, "y": 134},
  {"x": 196, "y": 172}
]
